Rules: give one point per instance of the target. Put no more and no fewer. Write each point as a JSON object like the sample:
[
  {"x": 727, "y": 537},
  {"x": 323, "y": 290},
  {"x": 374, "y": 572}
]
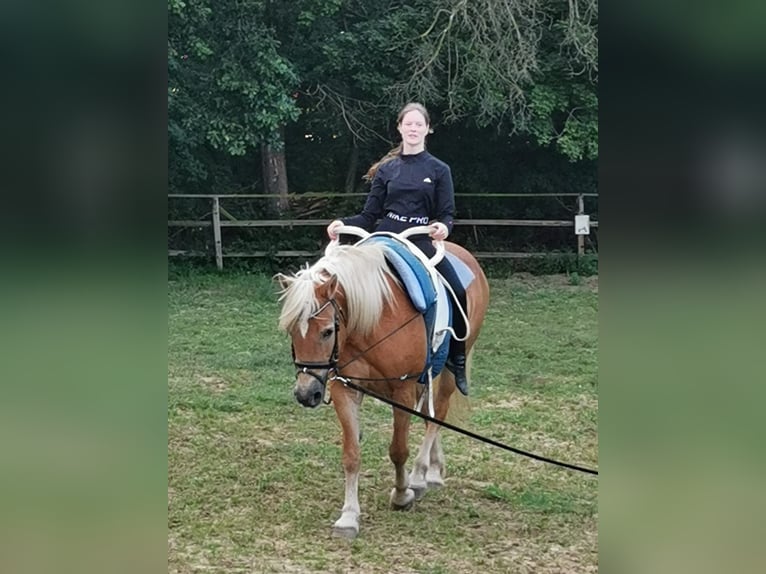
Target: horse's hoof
[
  {"x": 402, "y": 500},
  {"x": 419, "y": 489},
  {"x": 434, "y": 480},
  {"x": 347, "y": 526},
  {"x": 347, "y": 532}
]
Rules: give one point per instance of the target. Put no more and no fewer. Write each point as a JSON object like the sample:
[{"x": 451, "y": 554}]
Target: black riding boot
[{"x": 456, "y": 364}]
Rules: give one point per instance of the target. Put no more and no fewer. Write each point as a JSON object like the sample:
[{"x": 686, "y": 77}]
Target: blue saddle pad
[
  {"x": 417, "y": 282},
  {"x": 464, "y": 272}
]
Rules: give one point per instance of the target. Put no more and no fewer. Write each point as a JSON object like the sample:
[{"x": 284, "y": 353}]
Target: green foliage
[
  {"x": 236, "y": 69},
  {"x": 528, "y": 67},
  {"x": 229, "y": 88},
  {"x": 574, "y": 278},
  {"x": 587, "y": 265},
  {"x": 552, "y": 263},
  {"x": 565, "y": 115}
]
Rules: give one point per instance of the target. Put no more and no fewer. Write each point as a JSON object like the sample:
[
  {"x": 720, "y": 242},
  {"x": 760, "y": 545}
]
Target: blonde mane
[{"x": 361, "y": 272}]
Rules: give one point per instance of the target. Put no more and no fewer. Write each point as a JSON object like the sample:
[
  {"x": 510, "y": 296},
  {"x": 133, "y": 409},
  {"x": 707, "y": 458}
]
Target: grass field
[{"x": 255, "y": 480}]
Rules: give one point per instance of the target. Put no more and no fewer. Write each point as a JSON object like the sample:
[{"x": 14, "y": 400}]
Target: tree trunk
[
  {"x": 275, "y": 171},
  {"x": 353, "y": 163}
]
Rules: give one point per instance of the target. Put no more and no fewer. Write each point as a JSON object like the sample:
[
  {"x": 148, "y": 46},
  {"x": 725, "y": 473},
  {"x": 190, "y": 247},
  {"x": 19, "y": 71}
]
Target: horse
[{"x": 349, "y": 317}]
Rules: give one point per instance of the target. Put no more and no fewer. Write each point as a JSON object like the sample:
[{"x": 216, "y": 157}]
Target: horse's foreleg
[
  {"x": 347, "y": 404},
  {"x": 402, "y": 496}
]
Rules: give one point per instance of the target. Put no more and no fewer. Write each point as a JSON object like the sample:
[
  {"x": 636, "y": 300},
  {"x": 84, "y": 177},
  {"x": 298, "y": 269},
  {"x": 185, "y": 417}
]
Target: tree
[
  {"x": 341, "y": 50},
  {"x": 531, "y": 65},
  {"x": 240, "y": 72},
  {"x": 229, "y": 88}
]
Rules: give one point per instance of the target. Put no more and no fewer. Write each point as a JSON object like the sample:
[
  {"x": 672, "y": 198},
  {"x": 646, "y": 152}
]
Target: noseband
[{"x": 332, "y": 362}]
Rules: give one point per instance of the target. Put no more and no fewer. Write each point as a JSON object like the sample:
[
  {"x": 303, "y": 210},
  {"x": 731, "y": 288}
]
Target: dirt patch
[{"x": 214, "y": 384}]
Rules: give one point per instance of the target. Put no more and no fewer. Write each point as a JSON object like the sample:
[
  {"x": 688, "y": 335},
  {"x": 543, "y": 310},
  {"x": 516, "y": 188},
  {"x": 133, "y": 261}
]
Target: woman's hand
[
  {"x": 332, "y": 229},
  {"x": 439, "y": 231}
]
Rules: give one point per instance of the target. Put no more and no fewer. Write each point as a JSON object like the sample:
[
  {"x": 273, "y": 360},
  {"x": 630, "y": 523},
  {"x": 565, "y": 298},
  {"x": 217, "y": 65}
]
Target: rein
[{"x": 360, "y": 355}]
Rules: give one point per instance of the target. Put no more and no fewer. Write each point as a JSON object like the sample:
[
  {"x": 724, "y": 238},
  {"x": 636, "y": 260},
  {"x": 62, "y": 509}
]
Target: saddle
[{"x": 426, "y": 289}]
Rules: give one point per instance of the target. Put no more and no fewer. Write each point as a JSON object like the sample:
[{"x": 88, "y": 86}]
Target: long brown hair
[{"x": 398, "y": 149}]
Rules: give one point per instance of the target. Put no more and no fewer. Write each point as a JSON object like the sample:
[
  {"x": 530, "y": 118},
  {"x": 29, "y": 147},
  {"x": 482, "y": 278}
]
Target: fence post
[
  {"x": 217, "y": 233},
  {"x": 580, "y": 238}
]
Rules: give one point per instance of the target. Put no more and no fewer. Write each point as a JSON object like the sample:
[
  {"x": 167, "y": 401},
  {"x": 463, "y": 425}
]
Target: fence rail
[
  {"x": 217, "y": 224},
  {"x": 316, "y": 222}
]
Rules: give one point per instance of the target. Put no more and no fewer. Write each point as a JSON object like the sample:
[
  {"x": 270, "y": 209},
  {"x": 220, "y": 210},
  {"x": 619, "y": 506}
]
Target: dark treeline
[{"x": 301, "y": 96}]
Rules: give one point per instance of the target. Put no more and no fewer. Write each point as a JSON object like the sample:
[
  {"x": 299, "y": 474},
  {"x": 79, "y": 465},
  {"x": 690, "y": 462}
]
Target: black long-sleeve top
[{"x": 407, "y": 191}]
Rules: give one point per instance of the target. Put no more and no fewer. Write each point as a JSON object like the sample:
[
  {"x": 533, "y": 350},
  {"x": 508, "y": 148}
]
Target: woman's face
[{"x": 413, "y": 128}]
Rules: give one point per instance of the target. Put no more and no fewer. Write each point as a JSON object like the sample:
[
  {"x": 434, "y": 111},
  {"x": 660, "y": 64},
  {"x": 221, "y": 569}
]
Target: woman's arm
[{"x": 373, "y": 207}]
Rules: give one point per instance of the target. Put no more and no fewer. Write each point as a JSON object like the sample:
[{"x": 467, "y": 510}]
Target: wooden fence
[{"x": 217, "y": 223}]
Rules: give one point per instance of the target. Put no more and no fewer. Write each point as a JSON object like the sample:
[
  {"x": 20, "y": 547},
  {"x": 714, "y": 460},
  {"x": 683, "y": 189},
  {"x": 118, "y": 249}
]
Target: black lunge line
[{"x": 348, "y": 382}]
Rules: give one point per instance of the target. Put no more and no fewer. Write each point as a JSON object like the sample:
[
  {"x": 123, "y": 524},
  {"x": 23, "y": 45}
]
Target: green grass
[{"x": 255, "y": 481}]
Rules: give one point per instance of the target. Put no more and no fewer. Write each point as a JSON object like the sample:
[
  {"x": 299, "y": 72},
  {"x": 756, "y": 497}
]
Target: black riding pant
[{"x": 450, "y": 275}]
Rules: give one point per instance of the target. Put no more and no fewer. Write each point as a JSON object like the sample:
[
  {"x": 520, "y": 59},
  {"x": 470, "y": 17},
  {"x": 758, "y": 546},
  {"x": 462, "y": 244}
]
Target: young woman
[{"x": 410, "y": 187}]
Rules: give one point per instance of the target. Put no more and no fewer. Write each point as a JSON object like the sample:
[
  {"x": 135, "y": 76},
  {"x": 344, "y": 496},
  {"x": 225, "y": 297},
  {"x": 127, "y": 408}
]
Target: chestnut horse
[{"x": 348, "y": 316}]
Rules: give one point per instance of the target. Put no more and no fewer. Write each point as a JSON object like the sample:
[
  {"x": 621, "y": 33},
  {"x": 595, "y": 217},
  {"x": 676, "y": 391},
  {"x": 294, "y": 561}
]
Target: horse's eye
[{"x": 327, "y": 333}]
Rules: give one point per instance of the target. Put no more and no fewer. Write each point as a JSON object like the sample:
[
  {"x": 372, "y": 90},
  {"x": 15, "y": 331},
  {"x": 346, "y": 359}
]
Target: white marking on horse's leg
[
  {"x": 347, "y": 526},
  {"x": 436, "y": 467},
  {"x": 347, "y": 408},
  {"x": 402, "y": 499},
  {"x": 402, "y": 496},
  {"x": 420, "y": 467}
]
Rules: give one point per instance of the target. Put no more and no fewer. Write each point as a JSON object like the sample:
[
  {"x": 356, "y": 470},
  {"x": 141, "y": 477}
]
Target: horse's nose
[{"x": 309, "y": 395}]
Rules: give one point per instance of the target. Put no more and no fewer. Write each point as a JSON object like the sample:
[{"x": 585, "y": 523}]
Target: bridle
[
  {"x": 331, "y": 365},
  {"x": 332, "y": 362}
]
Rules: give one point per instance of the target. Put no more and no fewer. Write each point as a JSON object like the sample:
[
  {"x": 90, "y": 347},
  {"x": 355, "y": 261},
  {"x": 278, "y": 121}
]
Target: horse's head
[
  {"x": 340, "y": 296},
  {"x": 317, "y": 338}
]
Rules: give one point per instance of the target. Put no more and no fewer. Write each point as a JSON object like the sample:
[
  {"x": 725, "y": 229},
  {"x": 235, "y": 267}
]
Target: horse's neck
[{"x": 394, "y": 348}]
